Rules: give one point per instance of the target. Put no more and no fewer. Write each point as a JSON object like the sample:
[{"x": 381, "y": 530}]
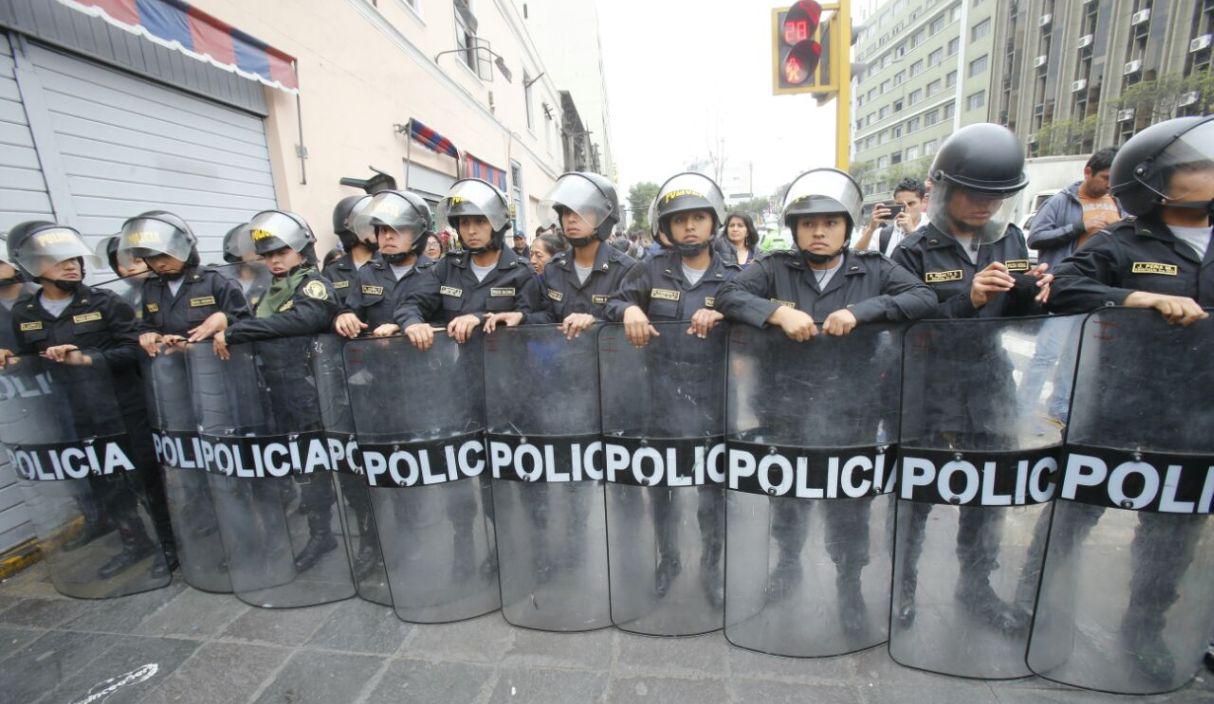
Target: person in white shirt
[{"x": 910, "y": 195}]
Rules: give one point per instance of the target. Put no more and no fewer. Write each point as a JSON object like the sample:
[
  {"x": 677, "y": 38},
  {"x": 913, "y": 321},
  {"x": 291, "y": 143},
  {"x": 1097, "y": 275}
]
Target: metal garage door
[{"x": 22, "y": 188}]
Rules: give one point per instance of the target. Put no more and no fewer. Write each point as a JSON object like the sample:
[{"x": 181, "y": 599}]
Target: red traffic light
[
  {"x": 801, "y": 61},
  {"x": 799, "y": 52},
  {"x": 801, "y": 21}
]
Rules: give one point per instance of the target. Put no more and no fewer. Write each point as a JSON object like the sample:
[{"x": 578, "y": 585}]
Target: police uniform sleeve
[
  {"x": 423, "y": 299},
  {"x": 352, "y": 302},
  {"x": 544, "y": 312},
  {"x": 311, "y": 313},
  {"x": 527, "y": 298},
  {"x": 634, "y": 291},
  {"x": 747, "y": 296},
  {"x": 123, "y": 349},
  {"x": 230, "y": 298},
  {"x": 903, "y": 297},
  {"x": 1088, "y": 279}
]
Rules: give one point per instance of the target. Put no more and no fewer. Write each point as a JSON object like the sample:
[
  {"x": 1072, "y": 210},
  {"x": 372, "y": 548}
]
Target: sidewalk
[{"x": 181, "y": 645}]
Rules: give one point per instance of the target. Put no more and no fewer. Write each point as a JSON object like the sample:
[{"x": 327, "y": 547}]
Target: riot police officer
[
  {"x": 59, "y": 321},
  {"x": 398, "y": 222},
  {"x": 577, "y": 283},
  {"x": 300, "y": 301},
  {"x": 132, "y": 272},
  {"x": 1159, "y": 258},
  {"x": 343, "y": 271},
  {"x": 467, "y": 287},
  {"x": 12, "y": 285},
  {"x": 679, "y": 283},
  {"x": 184, "y": 302},
  {"x": 243, "y": 265}
]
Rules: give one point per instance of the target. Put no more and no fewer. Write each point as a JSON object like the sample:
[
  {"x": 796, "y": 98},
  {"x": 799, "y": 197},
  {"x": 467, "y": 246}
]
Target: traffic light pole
[{"x": 842, "y": 56}]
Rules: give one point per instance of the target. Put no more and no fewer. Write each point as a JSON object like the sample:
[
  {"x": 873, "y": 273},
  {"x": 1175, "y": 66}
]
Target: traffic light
[{"x": 797, "y": 50}]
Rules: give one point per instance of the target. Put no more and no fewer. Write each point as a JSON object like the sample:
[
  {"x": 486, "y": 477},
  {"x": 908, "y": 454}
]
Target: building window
[
  {"x": 914, "y": 96},
  {"x": 980, "y": 30},
  {"x": 950, "y": 80},
  {"x": 884, "y": 113},
  {"x": 516, "y": 195},
  {"x": 954, "y": 45},
  {"x": 883, "y": 162},
  {"x": 950, "y": 110},
  {"x": 934, "y": 87},
  {"x": 899, "y": 78},
  {"x": 929, "y": 147},
  {"x": 975, "y": 100},
  {"x": 918, "y": 38},
  {"x": 527, "y": 100},
  {"x": 937, "y": 24},
  {"x": 895, "y": 158},
  {"x": 898, "y": 132},
  {"x": 885, "y": 86},
  {"x": 897, "y": 106},
  {"x": 931, "y": 117},
  {"x": 912, "y": 124},
  {"x": 465, "y": 36},
  {"x": 954, "y": 13},
  {"x": 935, "y": 57},
  {"x": 872, "y": 94},
  {"x": 916, "y": 68},
  {"x": 912, "y": 153},
  {"x": 978, "y": 65}
]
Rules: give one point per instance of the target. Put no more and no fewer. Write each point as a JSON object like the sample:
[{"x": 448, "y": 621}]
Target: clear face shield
[
  {"x": 822, "y": 191},
  {"x": 576, "y": 193},
  {"x": 471, "y": 197},
  {"x": 270, "y": 231},
  {"x": 392, "y": 211},
  {"x": 148, "y": 237},
  {"x": 123, "y": 257},
  {"x": 46, "y": 248},
  {"x": 1183, "y": 173},
  {"x": 963, "y": 212},
  {"x": 691, "y": 186}
]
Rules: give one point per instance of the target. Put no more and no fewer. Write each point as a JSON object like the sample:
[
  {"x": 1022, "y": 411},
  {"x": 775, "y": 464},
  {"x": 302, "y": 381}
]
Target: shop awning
[
  {"x": 475, "y": 168},
  {"x": 177, "y": 25}
]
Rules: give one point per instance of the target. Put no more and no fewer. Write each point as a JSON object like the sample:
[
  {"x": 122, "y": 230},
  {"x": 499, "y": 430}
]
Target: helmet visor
[
  {"x": 690, "y": 191},
  {"x": 122, "y": 256},
  {"x": 576, "y": 193},
  {"x": 957, "y": 210},
  {"x": 1184, "y": 170},
  {"x": 271, "y": 230},
  {"x": 148, "y": 237},
  {"x": 472, "y": 197},
  {"x": 46, "y": 248},
  {"x": 389, "y": 210},
  {"x": 823, "y": 191}
]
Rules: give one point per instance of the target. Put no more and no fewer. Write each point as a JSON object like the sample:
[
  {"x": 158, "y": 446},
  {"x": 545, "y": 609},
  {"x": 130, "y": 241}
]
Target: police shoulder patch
[
  {"x": 938, "y": 277},
  {"x": 316, "y": 289},
  {"x": 710, "y": 301},
  {"x": 1155, "y": 268}
]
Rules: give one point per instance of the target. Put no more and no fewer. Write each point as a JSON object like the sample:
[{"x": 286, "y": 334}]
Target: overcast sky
[{"x": 682, "y": 73}]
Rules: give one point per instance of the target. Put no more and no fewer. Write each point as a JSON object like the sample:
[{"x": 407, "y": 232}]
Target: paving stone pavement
[{"x": 181, "y": 646}]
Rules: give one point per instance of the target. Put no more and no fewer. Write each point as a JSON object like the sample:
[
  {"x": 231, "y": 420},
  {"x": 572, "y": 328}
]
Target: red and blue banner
[
  {"x": 179, "y": 26},
  {"x": 475, "y": 168},
  {"x": 432, "y": 140}
]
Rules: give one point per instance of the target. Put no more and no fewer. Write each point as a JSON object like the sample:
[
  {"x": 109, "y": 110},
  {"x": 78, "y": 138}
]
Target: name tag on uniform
[
  {"x": 556, "y": 295},
  {"x": 86, "y": 317},
  {"x": 1017, "y": 264},
  {"x": 1155, "y": 268},
  {"x": 939, "y": 277},
  {"x": 502, "y": 291},
  {"x": 598, "y": 300},
  {"x": 451, "y": 291},
  {"x": 786, "y": 304},
  {"x": 709, "y": 301},
  {"x": 202, "y": 301},
  {"x": 371, "y": 290},
  {"x": 153, "y": 307},
  {"x": 341, "y": 284},
  {"x": 31, "y": 327},
  {"x": 286, "y": 306},
  {"x": 664, "y": 294}
]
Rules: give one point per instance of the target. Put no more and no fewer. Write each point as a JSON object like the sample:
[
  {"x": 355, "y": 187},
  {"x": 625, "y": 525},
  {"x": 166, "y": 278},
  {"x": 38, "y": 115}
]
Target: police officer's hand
[
  {"x": 990, "y": 282},
  {"x": 575, "y": 324},
  {"x": 637, "y": 328},
  {"x": 386, "y": 330},
  {"x": 220, "y": 344},
  {"x": 348, "y": 325},
  {"x": 7, "y": 357},
  {"x": 420, "y": 335},
  {"x": 840, "y": 322},
  {"x": 66, "y": 354},
  {"x": 703, "y": 321},
  {"x": 1177, "y": 310},
  {"x": 796, "y": 324},
  {"x": 462, "y": 327},
  {"x": 214, "y": 323},
  {"x": 510, "y": 320},
  {"x": 173, "y": 341},
  {"x": 150, "y": 342},
  {"x": 1044, "y": 281}
]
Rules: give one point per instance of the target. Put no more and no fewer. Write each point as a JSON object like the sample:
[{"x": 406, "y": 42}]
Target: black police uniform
[
  {"x": 563, "y": 294},
  {"x": 376, "y": 293},
  {"x": 450, "y": 289},
  {"x": 303, "y": 314},
  {"x": 941, "y": 262},
  {"x": 658, "y": 286},
  {"x": 343, "y": 274},
  {"x": 8, "y": 339},
  {"x": 203, "y": 293},
  {"x": 97, "y": 319}
]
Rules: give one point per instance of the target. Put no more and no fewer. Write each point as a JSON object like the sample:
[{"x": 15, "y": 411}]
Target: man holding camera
[{"x": 906, "y": 214}]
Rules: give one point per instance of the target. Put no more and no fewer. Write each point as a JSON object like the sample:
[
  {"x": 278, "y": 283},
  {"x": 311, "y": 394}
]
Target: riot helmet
[
  {"x": 118, "y": 258},
  {"x": 344, "y": 215},
  {"x": 1170, "y": 163},
  {"x": 403, "y": 212},
  {"x": 589, "y": 195},
  {"x": 822, "y": 191},
  {"x": 684, "y": 193},
  {"x": 272, "y": 230},
  {"x": 7, "y": 258},
  {"x": 158, "y": 232},
  {"x": 233, "y": 250},
  {"x": 472, "y": 196},
  {"x": 975, "y": 174},
  {"x": 39, "y": 245}
]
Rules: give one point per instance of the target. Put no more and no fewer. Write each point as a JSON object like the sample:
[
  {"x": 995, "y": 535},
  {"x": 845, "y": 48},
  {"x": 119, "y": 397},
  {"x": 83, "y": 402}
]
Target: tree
[
  {"x": 639, "y": 197},
  {"x": 754, "y": 207}
]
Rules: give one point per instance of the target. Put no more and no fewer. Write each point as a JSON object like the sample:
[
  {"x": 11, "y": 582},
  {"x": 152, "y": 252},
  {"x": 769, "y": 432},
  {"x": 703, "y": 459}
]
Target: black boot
[
  {"x": 786, "y": 576},
  {"x": 136, "y": 547},
  {"x": 668, "y": 569},
  {"x": 318, "y": 545},
  {"x": 904, "y": 610},
  {"x": 976, "y": 595},
  {"x": 853, "y": 611},
  {"x": 712, "y": 582},
  {"x": 1149, "y": 654}
]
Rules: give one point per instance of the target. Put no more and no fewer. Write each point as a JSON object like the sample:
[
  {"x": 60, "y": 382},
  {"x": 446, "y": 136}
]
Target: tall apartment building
[
  {"x": 927, "y": 67},
  {"x": 1068, "y": 64}
]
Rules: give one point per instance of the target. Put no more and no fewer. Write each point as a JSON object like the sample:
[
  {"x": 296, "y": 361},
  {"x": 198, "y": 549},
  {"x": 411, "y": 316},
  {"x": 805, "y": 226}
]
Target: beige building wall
[{"x": 365, "y": 67}]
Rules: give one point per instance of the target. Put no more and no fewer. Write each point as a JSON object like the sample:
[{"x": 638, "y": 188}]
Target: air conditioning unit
[
  {"x": 1044, "y": 20},
  {"x": 1131, "y": 67},
  {"x": 1079, "y": 85},
  {"x": 1085, "y": 41},
  {"x": 1041, "y": 60},
  {"x": 1139, "y": 17},
  {"x": 1125, "y": 115},
  {"x": 1202, "y": 42},
  {"x": 1187, "y": 99}
]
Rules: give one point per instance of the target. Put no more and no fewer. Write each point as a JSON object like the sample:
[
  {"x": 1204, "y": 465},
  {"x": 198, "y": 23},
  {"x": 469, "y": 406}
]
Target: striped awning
[
  {"x": 475, "y": 168},
  {"x": 179, "y": 26}
]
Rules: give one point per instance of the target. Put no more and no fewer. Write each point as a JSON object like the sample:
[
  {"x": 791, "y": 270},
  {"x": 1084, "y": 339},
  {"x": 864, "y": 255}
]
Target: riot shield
[
  {"x": 978, "y": 456},
  {"x": 187, "y": 488},
  {"x": 65, "y": 435},
  {"x": 663, "y": 461},
  {"x": 543, "y": 445},
  {"x": 362, "y": 538},
  {"x": 271, "y": 472},
  {"x": 419, "y": 418},
  {"x": 1127, "y": 591},
  {"x": 809, "y": 503}
]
